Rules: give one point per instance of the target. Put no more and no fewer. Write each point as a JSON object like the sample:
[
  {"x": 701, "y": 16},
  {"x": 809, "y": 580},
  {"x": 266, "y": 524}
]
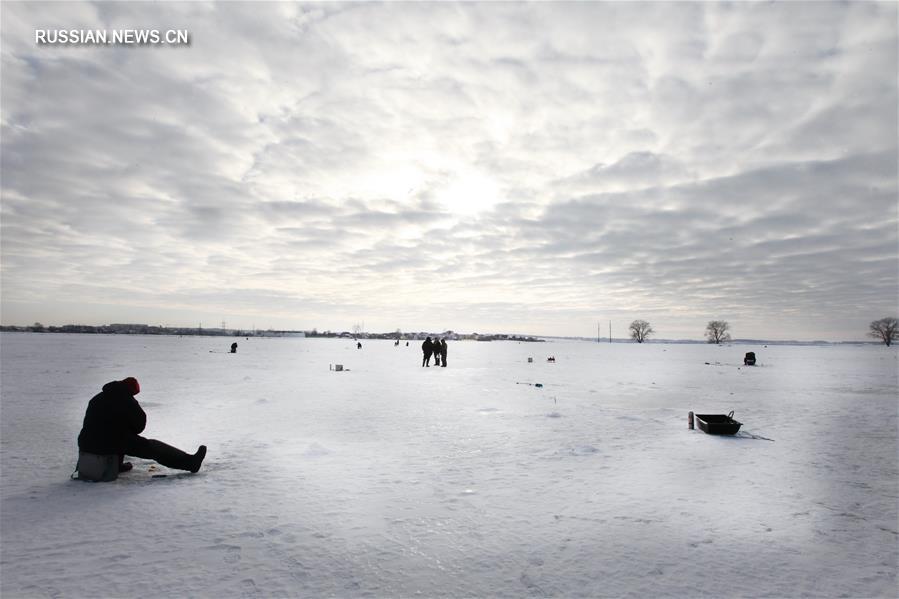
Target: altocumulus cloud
[{"x": 475, "y": 166}]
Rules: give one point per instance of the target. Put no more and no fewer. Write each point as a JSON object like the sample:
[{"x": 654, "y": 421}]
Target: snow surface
[{"x": 391, "y": 480}]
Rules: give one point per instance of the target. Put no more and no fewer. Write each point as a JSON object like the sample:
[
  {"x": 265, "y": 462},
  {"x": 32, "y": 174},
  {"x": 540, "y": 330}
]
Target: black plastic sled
[{"x": 718, "y": 424}]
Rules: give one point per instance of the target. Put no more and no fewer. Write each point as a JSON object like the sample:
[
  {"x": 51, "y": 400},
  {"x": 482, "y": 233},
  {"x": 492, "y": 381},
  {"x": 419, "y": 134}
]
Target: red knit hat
[{"x": 132, "y": 384}]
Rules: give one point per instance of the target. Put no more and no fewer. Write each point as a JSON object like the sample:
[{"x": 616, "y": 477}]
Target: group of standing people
[{"x": 436, "y": 348}]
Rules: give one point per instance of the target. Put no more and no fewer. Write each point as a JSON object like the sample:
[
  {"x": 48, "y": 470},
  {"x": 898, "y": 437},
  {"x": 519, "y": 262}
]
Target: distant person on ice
[
  {"x": 427, "y": 348},
  {"x": 443, "y": 352},
  {"x": 234, "y": 347},
  {"x": 112, "y": 426}
]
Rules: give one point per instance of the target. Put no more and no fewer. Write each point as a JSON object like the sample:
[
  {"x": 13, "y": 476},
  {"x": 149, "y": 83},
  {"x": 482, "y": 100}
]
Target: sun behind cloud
[{"x": 470, "y": 192}]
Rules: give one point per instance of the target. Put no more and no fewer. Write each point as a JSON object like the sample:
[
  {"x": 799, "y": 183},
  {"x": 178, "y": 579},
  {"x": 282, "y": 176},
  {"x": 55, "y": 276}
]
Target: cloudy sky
[{"x": 490, "y": 167}]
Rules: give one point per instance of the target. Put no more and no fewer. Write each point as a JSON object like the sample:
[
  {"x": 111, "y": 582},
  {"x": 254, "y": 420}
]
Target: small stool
[{"x": 96, "y": 467}]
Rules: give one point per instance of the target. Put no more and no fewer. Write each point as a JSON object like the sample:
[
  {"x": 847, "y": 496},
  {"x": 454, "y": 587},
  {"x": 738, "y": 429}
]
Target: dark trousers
[
  {"x": 426, "y": 360},
  {"x": 151, "y": 449}
]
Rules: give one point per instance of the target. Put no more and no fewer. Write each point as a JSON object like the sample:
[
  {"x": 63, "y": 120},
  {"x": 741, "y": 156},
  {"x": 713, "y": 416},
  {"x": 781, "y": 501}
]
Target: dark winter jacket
[
  {"x": 113, "y": 417},
  {"x": 427, "y": 347}
]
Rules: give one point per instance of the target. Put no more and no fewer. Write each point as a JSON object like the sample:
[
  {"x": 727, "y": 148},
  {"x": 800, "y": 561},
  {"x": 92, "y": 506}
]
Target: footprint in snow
[
  {"x": 315, "y": 451},
  {"x": 529, "y": 583},
  {"x": 232, "y": 552},
  {"x": 584, "y": 450},
  {"x": 248, "y": 588},
  {"x": 232, "y": 555}
]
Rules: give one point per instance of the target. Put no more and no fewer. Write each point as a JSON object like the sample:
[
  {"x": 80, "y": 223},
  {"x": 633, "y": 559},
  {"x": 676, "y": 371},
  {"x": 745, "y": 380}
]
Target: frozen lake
[{"x": 392, "y": 480}]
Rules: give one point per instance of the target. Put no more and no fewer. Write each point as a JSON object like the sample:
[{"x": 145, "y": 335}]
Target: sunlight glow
[{"x": 470, "y": 192}]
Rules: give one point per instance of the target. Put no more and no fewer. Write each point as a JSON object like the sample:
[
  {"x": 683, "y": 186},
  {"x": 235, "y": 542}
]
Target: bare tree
[
  {"x": 640, "y": 330},
  {"x": 717, "y": 331},
  {"x": 885, "y": 329}
]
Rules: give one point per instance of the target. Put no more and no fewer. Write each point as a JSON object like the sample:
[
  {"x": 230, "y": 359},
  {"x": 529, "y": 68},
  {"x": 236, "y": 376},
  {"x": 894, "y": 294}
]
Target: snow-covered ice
[{"x": 392, "y": 480}]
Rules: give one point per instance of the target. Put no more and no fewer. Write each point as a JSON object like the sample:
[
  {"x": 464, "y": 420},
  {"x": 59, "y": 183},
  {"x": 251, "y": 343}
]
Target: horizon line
[{"x": 741, "y": 340}]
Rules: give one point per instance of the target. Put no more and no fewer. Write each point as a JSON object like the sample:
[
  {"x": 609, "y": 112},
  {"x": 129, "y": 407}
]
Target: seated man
[{"x": 112, "y": 426}]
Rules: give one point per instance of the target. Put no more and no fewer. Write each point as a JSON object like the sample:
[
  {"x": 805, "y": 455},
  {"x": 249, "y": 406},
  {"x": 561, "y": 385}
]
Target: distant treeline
[{"x": 145, "y": 329}]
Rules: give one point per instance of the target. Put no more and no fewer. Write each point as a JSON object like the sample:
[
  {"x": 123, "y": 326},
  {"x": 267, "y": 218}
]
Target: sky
[{"x": 533, "y": 168}]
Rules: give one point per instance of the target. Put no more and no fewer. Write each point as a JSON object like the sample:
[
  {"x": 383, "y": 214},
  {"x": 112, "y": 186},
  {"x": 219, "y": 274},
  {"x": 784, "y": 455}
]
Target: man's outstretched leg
[{"x": 169, "y": 456}]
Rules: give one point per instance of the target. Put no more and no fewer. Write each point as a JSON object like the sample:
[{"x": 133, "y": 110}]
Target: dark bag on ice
[
  {"x": 749, "y": 360},
  {"x": 97, "y": 468}
]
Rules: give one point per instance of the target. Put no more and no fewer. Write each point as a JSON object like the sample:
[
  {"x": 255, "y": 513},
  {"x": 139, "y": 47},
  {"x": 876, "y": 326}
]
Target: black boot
[
  {"x": 123, "y": 465},
  {"x": 198, "y": 458}
]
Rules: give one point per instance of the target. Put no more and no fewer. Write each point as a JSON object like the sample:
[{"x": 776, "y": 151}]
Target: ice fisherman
[
  {"x": 427, "y": 348},
  {"x": 443, "y": 352},
  {"x": 111, "y": 430},
  {"x": 234, "y": 347}
]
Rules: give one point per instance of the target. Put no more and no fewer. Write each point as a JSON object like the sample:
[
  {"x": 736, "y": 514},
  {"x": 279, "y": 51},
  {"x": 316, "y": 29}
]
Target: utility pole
[
  {"x": 598, "y": 334},
  {"x": 610, "y": 331}
]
